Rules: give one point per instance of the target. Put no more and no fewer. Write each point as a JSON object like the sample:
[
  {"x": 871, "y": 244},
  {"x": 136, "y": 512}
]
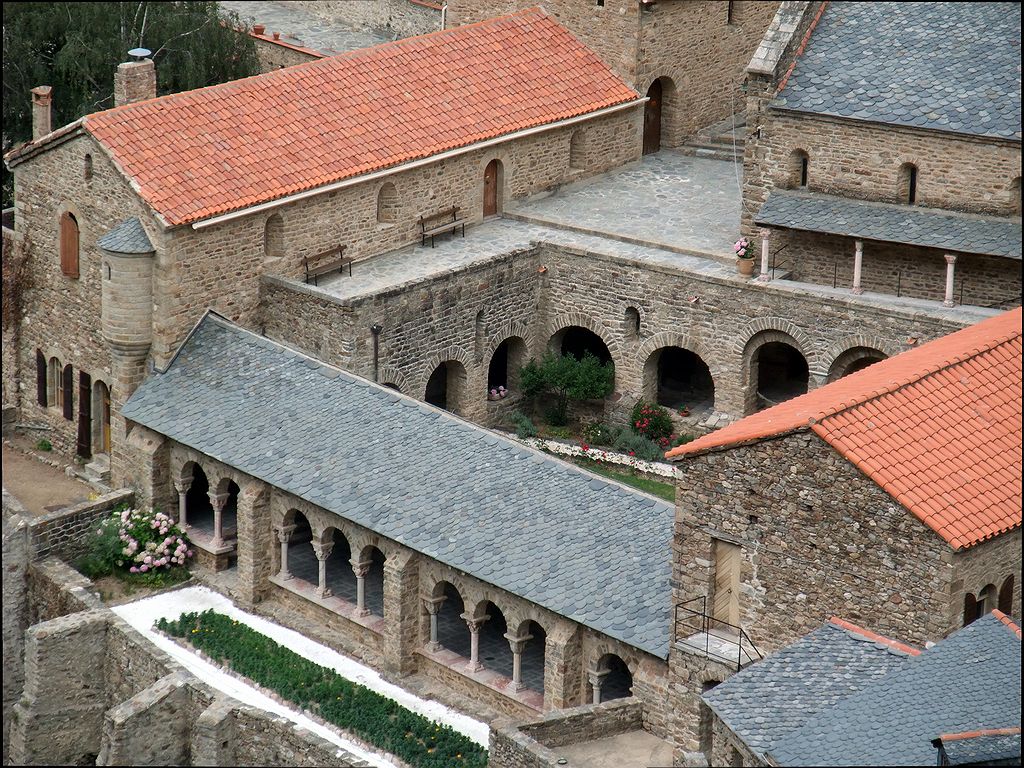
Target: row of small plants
[
  {"x": 139, "y": 546},
  {"x": 376, "y": 719}
]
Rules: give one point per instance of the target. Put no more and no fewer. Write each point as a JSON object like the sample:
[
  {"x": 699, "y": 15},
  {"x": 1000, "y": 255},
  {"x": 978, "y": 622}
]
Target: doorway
[
  {"x": 652, "y": 119},
  {"x": 492, "y": 182},
  {"x": 725, "y": 602}
]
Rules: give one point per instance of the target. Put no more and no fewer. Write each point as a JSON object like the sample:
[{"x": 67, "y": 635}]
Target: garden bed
[{"x": 375, "y": 718}]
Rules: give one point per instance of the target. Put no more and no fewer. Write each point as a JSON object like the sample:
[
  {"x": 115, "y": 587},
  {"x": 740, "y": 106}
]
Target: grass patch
[
  {"x": 376, "y": 719},
  {"x": 663, "y": 490}
]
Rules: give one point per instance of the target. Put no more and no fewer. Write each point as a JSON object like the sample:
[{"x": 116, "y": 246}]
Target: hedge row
[{"x": 376, "y": 719}]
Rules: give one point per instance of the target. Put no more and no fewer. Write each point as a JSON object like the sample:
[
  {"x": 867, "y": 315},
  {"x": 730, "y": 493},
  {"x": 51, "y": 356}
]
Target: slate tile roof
[
  {"x": 767, "y": 700},
  {"x": 128, "y": 237},
  {"x": 987, "y": 747},
  {"x": 218, "y": 149},
  {"x": 943, "y": 66},
  {"x": 938, "y": 428},
  {"x": 890, "y": 223},
  {"x": 970, "y": 678},
  {"x": 567, "y": 540}
]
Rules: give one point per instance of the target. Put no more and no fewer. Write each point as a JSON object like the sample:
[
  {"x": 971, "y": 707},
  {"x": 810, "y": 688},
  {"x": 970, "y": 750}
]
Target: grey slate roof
[
  {"x": 969, "y": 681},
  {"x": 988, "y": 749},
  {"x": 943, "y": 66},
  {"x": 582, "y": 547},
  {"x": 128, "y": 237},
  {"x": 891, "y": 223},
  {"x": 767, "y": 700}
]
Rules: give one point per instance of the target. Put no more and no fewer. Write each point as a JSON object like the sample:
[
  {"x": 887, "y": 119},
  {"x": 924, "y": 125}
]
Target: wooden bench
[
  {"x": 325, "y": 262},
  {"x": 447, "y": 220}
]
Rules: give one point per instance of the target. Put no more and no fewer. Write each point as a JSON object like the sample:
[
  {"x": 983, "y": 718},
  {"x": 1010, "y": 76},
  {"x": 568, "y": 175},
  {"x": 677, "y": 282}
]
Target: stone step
[
  {"x": 98, "y": 470},
  {"x": 713, "y": 153}
]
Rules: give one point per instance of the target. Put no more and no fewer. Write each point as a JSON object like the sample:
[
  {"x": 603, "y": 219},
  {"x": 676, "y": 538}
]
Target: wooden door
[
  {"x": 103, "y": 433},
  {"x": 491, "y": 189},
  {"x": 652, "y": 119},
  {"x": 84, "y": 415},
  {"x": 726, "y": 599}
]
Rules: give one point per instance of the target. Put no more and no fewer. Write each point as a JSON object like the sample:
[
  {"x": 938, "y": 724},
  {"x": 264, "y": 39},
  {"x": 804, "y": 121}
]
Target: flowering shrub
[
  {"x": 596, "y": 433},
  {"x": 742, "y": 248},
  {"x": 653, "y": 422},
  {"x": 135, "y": 541}
]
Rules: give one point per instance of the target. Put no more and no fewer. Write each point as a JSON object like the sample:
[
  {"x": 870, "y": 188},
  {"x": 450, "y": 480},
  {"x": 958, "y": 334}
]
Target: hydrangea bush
[{"x": 146, "y": 543}]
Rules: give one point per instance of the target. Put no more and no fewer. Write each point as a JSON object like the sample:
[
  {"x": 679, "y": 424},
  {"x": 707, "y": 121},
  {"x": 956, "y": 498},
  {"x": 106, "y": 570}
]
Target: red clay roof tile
[
  {"x": 265, "y": 137},
  {"x": 938, "y": 428}
]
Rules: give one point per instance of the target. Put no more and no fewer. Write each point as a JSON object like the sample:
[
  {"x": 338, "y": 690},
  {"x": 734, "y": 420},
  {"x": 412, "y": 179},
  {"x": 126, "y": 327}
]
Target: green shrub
[
  {"x": 566, "y": 378},
  {"x": 682, "y": 440},
  {"x": 559, "y": 433},
  {"x": 638, "y": 446},
  {"x": 44, "y": 445},
  {"x": 652, "y": 421},
  {"x": 596, "y": 433},
  {"x": 523, "y": 425},
  {"x": 382, "y": 722},
  {"x": 145, "y": 547}
]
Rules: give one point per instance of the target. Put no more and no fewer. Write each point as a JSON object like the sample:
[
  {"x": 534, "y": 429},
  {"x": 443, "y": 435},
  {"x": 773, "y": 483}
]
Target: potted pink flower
[{"x": 744, "y": 257}]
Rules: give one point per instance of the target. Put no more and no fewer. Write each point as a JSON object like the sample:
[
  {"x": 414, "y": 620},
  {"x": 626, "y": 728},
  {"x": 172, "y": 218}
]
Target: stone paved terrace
[
  {"x": 669, "y": 199},
  {"x": 299, "y": 27}
]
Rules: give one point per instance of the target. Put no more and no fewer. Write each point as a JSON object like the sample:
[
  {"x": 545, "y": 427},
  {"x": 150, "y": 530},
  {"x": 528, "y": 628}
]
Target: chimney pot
[
  {"x": 42, "y": 121},
  {"x": 135, "y": 80}
]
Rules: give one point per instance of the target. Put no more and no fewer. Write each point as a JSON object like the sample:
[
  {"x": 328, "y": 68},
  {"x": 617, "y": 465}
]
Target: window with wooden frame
[
  {"x": 68, "y": 392},
  {"x": 54, "y": 391},
  {"x": 69, "y": 244}
]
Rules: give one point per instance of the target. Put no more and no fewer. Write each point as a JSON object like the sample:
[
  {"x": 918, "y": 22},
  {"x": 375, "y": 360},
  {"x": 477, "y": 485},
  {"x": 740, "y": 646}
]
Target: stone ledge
[
  {"x": 487, "y": 678},
  {"x": 336, "y": 605}
]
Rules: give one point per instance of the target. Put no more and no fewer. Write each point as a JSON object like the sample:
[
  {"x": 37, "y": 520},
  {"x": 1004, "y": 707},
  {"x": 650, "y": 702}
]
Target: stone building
[
  {"x": 843, "y": 695},
  {"x": 891, "y": 494},
  {"x": 877, "y": 163}
]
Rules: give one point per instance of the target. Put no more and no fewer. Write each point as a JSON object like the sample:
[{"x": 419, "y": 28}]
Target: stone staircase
[
  {"x": 98, "y": 470},
  {"x": 721, "y": 141}
]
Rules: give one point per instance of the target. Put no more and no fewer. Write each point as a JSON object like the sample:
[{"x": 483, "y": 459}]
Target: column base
[
  {"x": 764, "y": 278},
  {"x": 857, "y": 291},
  {"x": 474, "y": 667},
  {"x": 949, "y": 303},
  {"x": 323, "y": 594}
]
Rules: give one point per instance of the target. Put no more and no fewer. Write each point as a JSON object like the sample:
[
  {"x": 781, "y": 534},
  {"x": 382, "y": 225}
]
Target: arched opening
[
  {"x": 374, "y": 580},
  {"x": 452, "y": 632},
  {"x": 69, "y": 244},
  {"x": 67, "y": 391},
  {"x": 302, "y": 562},
  {"x": 653, "y": 115},
  {"x": 782, "y": 373},
  {"x": 618, "y": 682},
  {"x": 632, "y": 323},
  {"x": 578, "y": 341},
  {"x": 444, "y": 387},
  {"x": 970, "y": 608},
  {"x": 54, "y": 388},
  {"x": 87, "y": 168},
  {"x": 532, "y": 663},
  {"x": 493, "y": 184},
  {"x": 908, "y": 184},
  {"x": 853, "y": 360},
  {"x": 273, "y": 239},
  {"x": 735, "y": 758},
  {"x": 799, "y": 169},
  {"x": 198, "y": 509},
  {"x": 682, "y": 379},
  {"x": 100, "y": 417},
  {"x": 706, "y": 723},
  {"x": 503, "y": 370},
  {"x": 229, "y": 515},
  {"x": 495, "y": 652},
  {"x": 340, "y": 578},
  {"x": 1015, "y": 196},
  {"x": 387, "y": 204},
  {"x": 1006, "y": 596},
  {"x": 576, "y": 151}
]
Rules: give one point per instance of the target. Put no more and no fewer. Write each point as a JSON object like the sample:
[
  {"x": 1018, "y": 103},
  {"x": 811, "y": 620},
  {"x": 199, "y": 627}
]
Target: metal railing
[
  {"x": 698, "y": 631},
  {"x": 776, "y": 264}
]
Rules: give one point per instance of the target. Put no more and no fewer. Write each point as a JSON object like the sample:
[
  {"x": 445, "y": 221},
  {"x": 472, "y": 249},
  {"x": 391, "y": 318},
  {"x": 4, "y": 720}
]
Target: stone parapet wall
[
  {"x": 273, "y": 54},
  {"x": 56, "y": 589},
  {"x": 65, "y": 532},
  {"x": 389, "y": 18}
]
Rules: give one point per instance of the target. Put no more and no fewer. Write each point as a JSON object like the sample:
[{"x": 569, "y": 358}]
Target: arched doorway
[
  {"x": 652, "y": 118},
  {"x": 503, "y": 370},
  {"x": 198, "y": 509},
  {"x": 452, "y": 632},
  {"x": 782, "y": 373},
  {"x": 101, "y": 418},
  {"x": 853, "y": 360},
  {"x": 492, "y": 188},
  {"x": 681, "y": 378},
  {"x": 617, "y": 680},
  {"x": 444, "y": 387},
  {"x": 495, "y": 652}
]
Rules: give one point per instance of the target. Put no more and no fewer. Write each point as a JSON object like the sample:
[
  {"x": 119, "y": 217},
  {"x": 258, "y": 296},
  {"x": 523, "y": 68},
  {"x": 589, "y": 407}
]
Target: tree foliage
[
  {"x": 567, "y": 378},
  {"x": 76, "y": 46}
]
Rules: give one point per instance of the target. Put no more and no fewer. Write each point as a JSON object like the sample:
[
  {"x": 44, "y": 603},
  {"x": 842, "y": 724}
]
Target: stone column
[
  {"x": 322, "y": 550},
  {"x": 182, "y": 485},
  {"x": 433, "y": 607},
  {"x": 284, "y": 534},
  {"x": 474, "y": 623},
  {"x": 858, "y": 262},
  {"x": 255, "y": 544},
  {"x": 950, "y": 266},
  {"x": 597, "y": 677},
  {"x": 360, "y": 568},
  {"x": 517, "y": 644},
  {"x": 218, "y": 500},
  {"x": 765, "y": 234}
]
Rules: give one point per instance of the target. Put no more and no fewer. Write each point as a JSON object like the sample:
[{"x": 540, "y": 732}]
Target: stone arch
[
  {"x": 798, "y": 169},
  {"x": 800, "y": 340},
  {"x": 452, "y": 631},
  {"x": 854, "y": 359},
  {"x": 495, "y": 651},
  {"x": 504, "y": 364},
  {"x": 374, "y": 559},
  {"x": 533, "y": 654},
  {"x": 387, "y": 203},
  {"x": 394, "y": 379},
  {"x": 616, "y": 678},
  {"x": 568, "y": 319},
  {"x": 646, "y": 356},
  {"x": 844, "y": 345},
  {"x": 773, "y": 331},
  {"x": 907, "y": 183},
  {"x": 340, "y": 579},
  {"x": 198, "y": 509},
  {"x": 659, "y": 112},
  {"x": 1006, "y": 595},
  {"x": 446, "y": 378},
  {"x": 631, "y": 323},
  {"x": 273, "y": 239},
  {"x": 302, "y": 562}
]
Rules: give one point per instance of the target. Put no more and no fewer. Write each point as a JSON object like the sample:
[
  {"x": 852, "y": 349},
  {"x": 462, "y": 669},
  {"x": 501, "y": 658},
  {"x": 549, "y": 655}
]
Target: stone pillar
[
  {"x": 765, "y": 234},
  {"x": 858, "y": 262},
  {"x": 597, "y": 677},
  {"x": 181, "y": 485},
  {"x": 284, "y": 535},
  {"x": 42, "y": 123},
  {"x": 950, "y": 266},
  {"x": 402, "y": 611},
  {"x": 517, "y": 644},
  {"x": 255, "y": 543},
  {"x": 474, "y": 623},
  {"x": 322, "y": 550},
  {"x": 563, "y": 667},
  {"x": 433, "y": 607},
  {"x": 360, "y": 568},
  {"x": 218, "y": 500}
]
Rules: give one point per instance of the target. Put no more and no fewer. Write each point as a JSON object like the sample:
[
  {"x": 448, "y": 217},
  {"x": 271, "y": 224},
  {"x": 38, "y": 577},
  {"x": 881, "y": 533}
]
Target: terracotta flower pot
[{"x": 745, "y": 267}]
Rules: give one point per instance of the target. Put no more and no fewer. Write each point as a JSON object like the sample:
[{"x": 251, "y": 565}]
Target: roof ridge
[
  {"x": 875, "y": 637},
  {"x": 1010, "y": 623},
  {"x": 981, "y": 732},
  {"x": 800, "y": 49}
]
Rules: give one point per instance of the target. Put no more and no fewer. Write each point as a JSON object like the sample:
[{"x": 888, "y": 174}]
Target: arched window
[
  {"x": 576, "y": 151},
  {"x": 632, "y": 323},
  {"x": 781, "y": 373},
  {"x": 273, "y": 239},
  {"x": 55, "y": 391},
  {"x": 615, "y": 681},
  {"x": 495, "y": 652},
  {"x": 198, "y": 509},
  {"x": 42, "y": 390},
  {"x": 87, "y": 168},
  {"x": 387, "y": 204},
  {"x": 67, "y": 393},
  {"x": 908, "y": 183},
  {"x": 799, "y": 169},
  {"x": 1006, "y": 596},
  {"x": 302, "y": 562},
  {"x": 445, "y": 385},
  {"x": 503, "y": 370},
  {"x": 340, "y": 578},
  {"x": 69, "y": 244}
]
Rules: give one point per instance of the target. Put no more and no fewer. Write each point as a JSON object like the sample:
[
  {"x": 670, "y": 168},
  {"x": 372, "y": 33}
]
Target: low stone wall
[
  {"x": 149, "y": 728},
  {"x": 65, "y": 532},
  {"x": 529, "y": 745},
  {"x": 56, "y": 589}
]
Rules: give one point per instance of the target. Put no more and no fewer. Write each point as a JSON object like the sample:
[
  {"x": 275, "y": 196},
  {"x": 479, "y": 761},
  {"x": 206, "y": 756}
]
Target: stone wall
[
  {"x": 15, "y": 605},
  {"x": 65, "y": 532},
  {"x": 275, "y": 54},
  {"x": 728, "y": 749},
  {"x": 151, "y": 727},
  {"x": 12, "y": 282},
  {"x": 991, "y": 562},
  {"x": 389, "y": 18}
]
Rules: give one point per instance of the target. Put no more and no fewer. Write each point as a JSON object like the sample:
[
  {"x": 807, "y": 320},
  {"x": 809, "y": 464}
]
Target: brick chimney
[
  {"x": 42, "y": 97},
  {"x": 135, "y": 80}
]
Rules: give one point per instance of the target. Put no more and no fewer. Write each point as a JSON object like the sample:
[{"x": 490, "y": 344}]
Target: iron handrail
[
  {"x": 700, "y": 623},
  {"x": 776, "y": 264}
]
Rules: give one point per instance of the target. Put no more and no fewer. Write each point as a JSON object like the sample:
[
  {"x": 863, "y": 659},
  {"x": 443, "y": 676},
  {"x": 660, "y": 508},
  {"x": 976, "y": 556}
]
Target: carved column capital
[
  {"x": 433, "y": 604},
  {"x": 182, "y": 484},
  {"x": 474, "y": 622},
  {"x": 597, "y": 676},
  {"x": 218, "y": 500},
  {"x": 284, "y": 533},
  {"x": 360, "y": 567},
  {"x": 322, "y": 549},
  {"x": 517, "y": 642},
  {"x": 764, "y": 233},
  {"x": 950, "y": 258}
]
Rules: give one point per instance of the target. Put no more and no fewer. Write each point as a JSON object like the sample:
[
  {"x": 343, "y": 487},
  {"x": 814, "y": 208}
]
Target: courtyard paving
[
  {"x": 302, "y": 28},
  {"x": 633, "y": 749}
]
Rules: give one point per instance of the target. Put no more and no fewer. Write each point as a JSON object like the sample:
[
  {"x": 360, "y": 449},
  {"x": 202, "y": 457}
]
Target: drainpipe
[
  {"x": 444, "y": 15},
  {"x": 375, "y": 330}
]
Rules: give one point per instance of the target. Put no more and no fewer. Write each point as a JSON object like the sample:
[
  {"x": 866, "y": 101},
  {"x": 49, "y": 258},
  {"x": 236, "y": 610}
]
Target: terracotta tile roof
[
  {"x": 938, "y": 428},
  {"x": 218, "y": 149}
]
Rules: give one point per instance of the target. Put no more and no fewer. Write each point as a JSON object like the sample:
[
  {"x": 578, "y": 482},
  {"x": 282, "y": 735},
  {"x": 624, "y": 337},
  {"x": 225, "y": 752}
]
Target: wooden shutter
[
  {"x": 68, "y": 392},
  {"x": 84, "y": 415},
  {"x": 69, "y": 245},
  {"x": 41, "y": 396}
]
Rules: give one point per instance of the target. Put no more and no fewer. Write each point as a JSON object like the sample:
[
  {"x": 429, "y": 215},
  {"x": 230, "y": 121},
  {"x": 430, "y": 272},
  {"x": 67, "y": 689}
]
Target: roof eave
[{"x": 43, "y": 143}]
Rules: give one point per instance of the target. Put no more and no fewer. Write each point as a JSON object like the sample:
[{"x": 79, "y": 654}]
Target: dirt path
[{"x": 39, "y": 487}]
